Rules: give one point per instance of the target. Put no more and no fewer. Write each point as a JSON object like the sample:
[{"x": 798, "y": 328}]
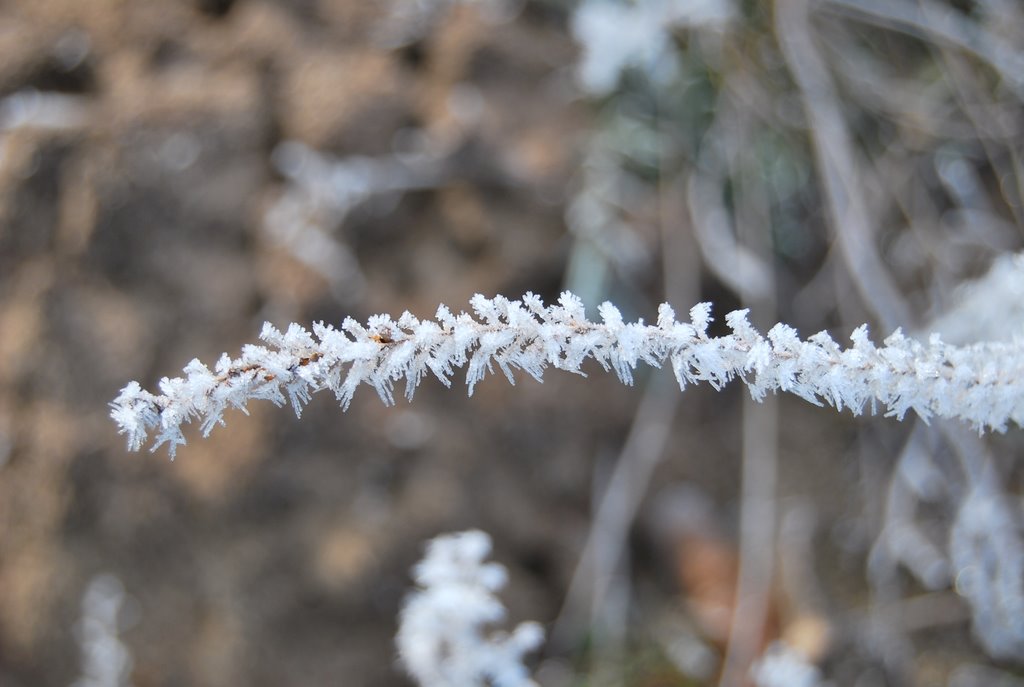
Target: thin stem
[{"x": 981, "y": 383}]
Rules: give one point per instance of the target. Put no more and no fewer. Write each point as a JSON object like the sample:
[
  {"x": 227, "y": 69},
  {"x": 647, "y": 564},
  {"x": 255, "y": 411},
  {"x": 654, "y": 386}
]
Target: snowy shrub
[
  {"x": 106, "y": 661},
  {"x": 442, "y": 638}
]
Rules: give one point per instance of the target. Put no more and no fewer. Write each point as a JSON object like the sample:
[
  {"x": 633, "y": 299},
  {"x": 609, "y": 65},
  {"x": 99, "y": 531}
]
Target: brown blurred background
[{"x": 175, "y": 172}]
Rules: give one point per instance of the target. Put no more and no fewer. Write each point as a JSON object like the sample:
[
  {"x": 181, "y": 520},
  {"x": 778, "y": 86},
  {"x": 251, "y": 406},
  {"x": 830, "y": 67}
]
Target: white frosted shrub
[
  {"x": 442, "y": 638},
  {"x": 106, "y": 661},
  {"x": 985, "y": 545},
  {"x": 981, "y": 383},
  {"x": 990, "y": 308}
]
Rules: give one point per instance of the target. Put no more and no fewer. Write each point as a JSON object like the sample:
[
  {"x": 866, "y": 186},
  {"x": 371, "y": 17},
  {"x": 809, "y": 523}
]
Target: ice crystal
[{"x": 982, "y": 383}]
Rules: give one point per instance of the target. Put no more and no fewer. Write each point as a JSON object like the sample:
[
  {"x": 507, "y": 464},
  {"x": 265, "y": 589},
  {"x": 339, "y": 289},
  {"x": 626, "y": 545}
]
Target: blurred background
[{"x": 173, "y": 173}]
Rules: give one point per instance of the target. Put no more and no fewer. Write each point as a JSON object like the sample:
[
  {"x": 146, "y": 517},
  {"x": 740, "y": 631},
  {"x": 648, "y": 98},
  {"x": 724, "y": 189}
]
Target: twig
[{"x": 981, "y": 383}]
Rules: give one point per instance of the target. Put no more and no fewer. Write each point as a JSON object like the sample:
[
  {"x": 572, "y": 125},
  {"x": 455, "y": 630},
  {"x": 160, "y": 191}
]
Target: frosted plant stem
[{"x": 982, "y": 383}]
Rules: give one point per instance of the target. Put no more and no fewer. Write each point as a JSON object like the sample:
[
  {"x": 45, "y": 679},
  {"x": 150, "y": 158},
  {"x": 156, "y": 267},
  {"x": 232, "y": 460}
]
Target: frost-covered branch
[{"x": 982, "y": 384}]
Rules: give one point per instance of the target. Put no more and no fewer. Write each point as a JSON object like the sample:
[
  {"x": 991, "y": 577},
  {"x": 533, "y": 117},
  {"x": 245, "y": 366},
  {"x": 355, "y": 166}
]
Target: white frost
[
  {"x": 441, "y": 639},
  {"x": 982, "y": 383}
]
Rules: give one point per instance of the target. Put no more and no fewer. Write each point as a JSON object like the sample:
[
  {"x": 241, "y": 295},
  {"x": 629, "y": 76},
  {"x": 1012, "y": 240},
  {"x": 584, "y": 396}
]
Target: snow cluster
[
  {"x": 986, "y": 547},
  {"x": 982, "y": 383},
  {"x": 783, "y": 666},
  {"x": 441, "y": 640},
  {"x": 106, "y": 661},
  {"x": 990, "y": 308},
  {"x": 615, "y": 35}
]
